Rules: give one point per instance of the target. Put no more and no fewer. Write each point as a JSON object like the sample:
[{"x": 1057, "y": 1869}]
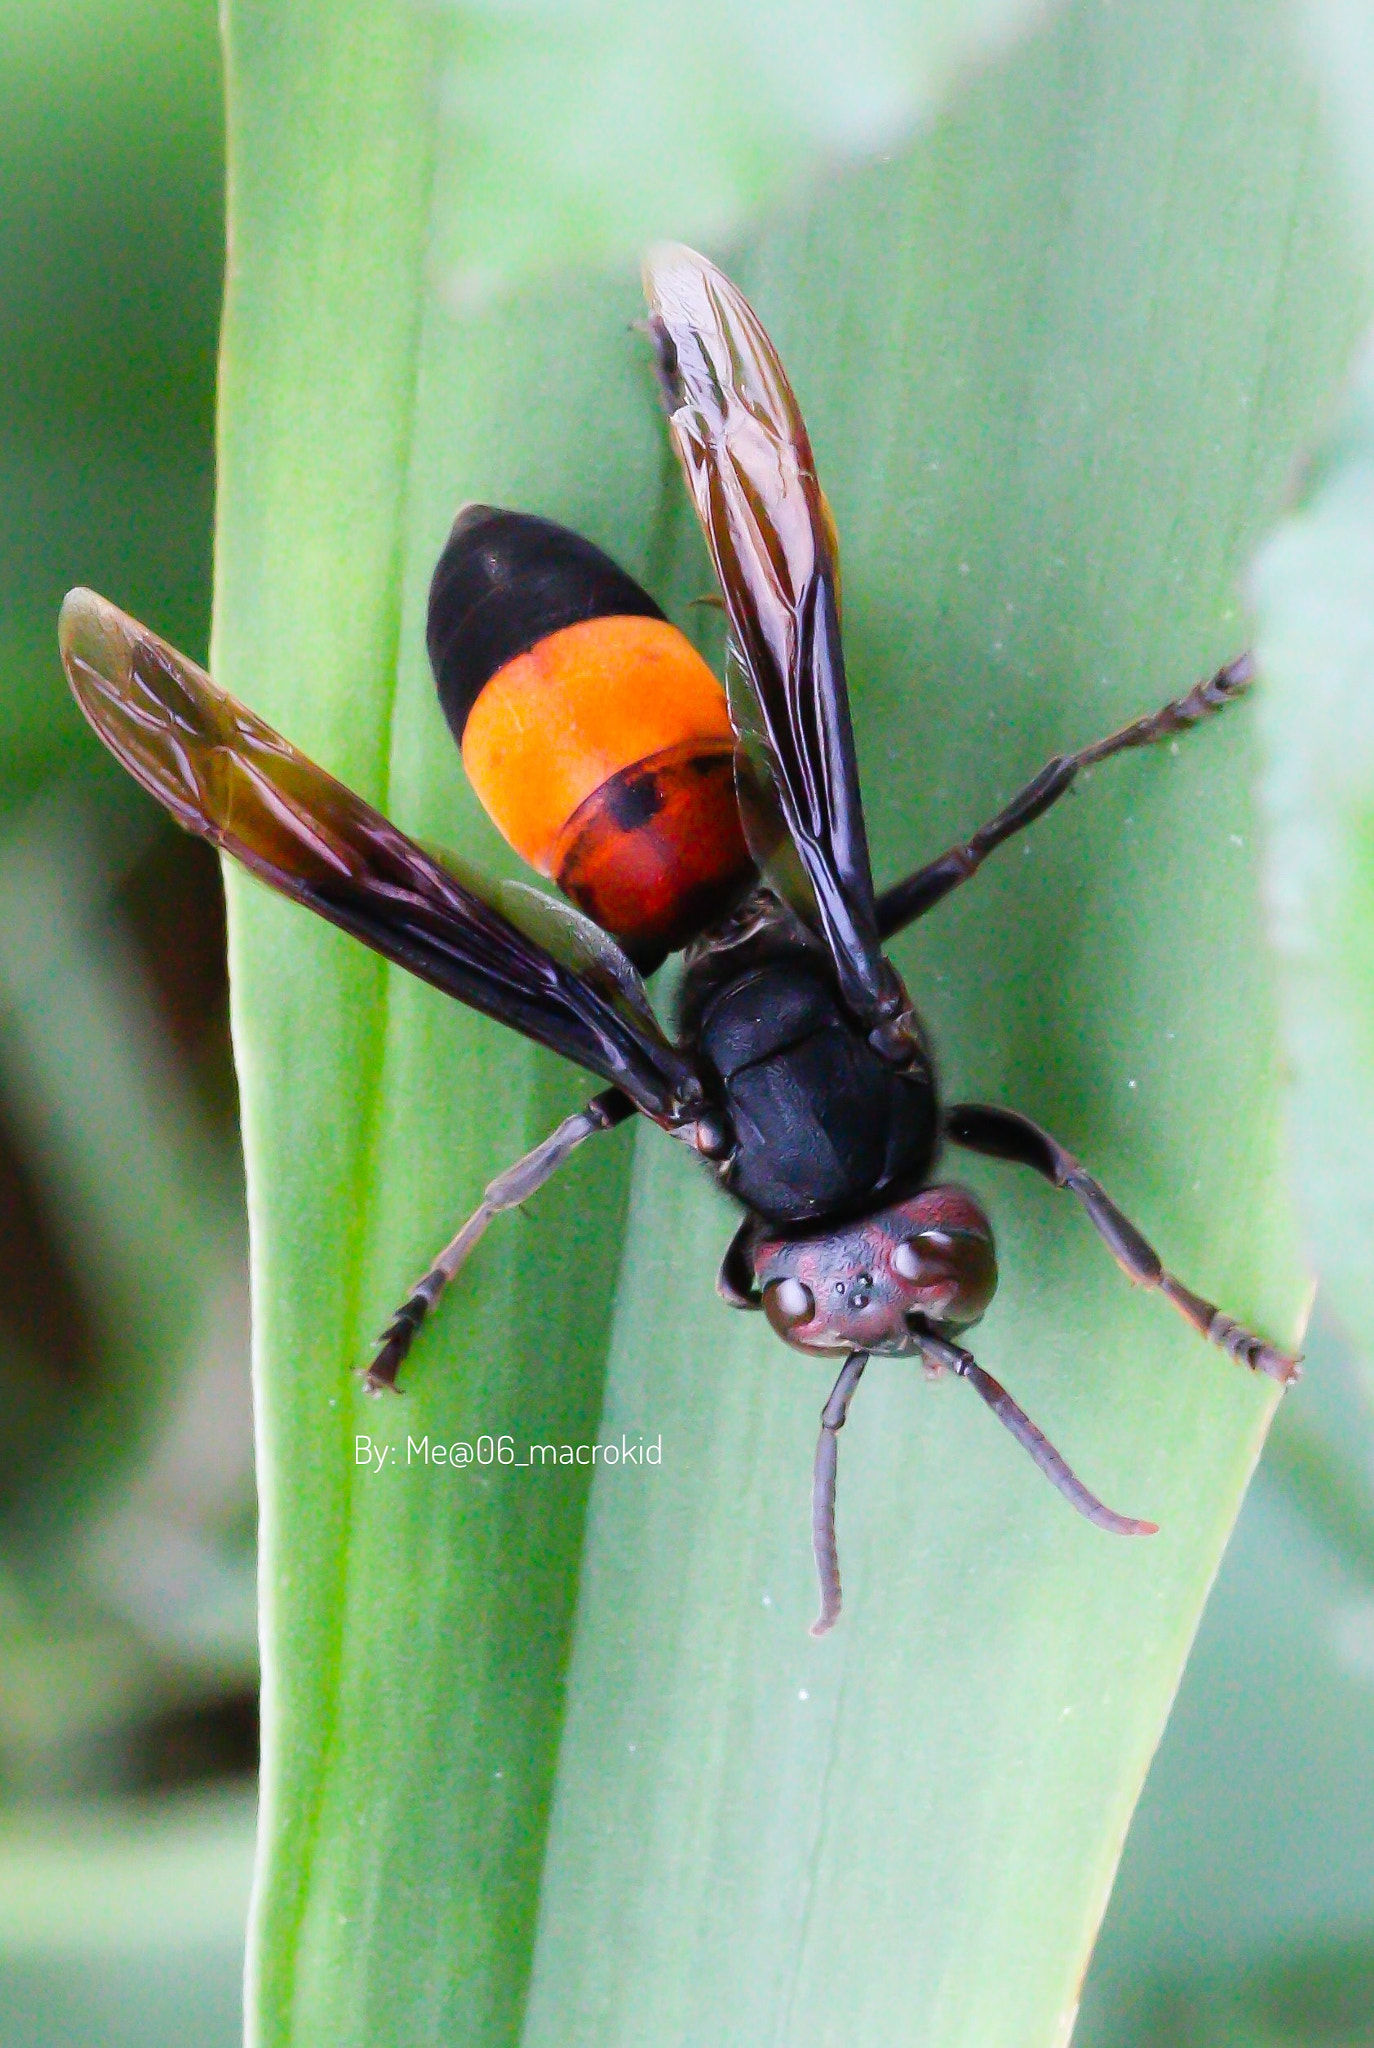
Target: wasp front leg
[
  {"x": 507, "y": 1191},
  {"x": 735, "y": 1282}
]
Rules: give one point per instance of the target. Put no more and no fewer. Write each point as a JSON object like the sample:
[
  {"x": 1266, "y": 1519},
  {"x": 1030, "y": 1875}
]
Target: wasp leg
[
  {"x": 948, "y": 1357},
  {"x": 823, "y": 1491},
  {"x": 906, "y": 901},
  {"x": 735, "y": 1282},
  {"x": 1005, "y": 1134},
  {"x": 507, "y": 1191}
]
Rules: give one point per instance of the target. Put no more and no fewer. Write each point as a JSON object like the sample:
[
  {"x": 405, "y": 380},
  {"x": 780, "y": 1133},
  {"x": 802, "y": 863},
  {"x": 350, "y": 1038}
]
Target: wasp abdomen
[{"x": 595, "y": 736}]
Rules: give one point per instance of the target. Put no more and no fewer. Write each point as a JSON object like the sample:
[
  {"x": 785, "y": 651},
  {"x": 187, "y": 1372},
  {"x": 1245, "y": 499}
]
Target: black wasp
[{"x": 676, "y": 816}]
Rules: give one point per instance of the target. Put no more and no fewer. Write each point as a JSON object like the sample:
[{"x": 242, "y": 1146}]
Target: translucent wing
[
  {"x": 224, "y": 774},
  {"x": 760, "y": 806},
  {"x": 748, "y": 463},
  {"x": 577, "y": 942}
]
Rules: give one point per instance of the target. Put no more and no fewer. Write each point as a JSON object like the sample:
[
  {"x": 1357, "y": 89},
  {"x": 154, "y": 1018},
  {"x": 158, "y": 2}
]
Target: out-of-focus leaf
[
  {"x": 121, "y": 1926},
  {"x": 111, "y": 249},
  {"x": 1057, "y": 360},
  {"x": 129, "y": 1569},
  {"x": 712, "y": 115},
  {"x": 1320, "y": 1996},
  {"x": 144, "y": 1201},
  {"x": 1314, "y": 596},
  {"x": 1337, "y": 38},
  {"x": 1246, "y": 1894},
  {"x": 1331, "y": 1490}
]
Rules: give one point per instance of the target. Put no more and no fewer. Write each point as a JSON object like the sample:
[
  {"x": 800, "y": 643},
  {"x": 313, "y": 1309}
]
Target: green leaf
[{"x": 1057, "y": 359}]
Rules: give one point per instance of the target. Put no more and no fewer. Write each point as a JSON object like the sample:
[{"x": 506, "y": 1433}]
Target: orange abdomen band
[
  {"x": 554, "y": 724},
  {"x": 604, "y": 755}
]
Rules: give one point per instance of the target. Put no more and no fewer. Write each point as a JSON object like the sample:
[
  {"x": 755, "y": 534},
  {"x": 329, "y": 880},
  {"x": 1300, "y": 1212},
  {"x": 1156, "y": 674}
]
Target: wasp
[{"x": 676, "y": 815}]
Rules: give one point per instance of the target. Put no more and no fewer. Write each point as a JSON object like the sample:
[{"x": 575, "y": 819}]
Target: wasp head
[{"x": 875, "y": 1285}]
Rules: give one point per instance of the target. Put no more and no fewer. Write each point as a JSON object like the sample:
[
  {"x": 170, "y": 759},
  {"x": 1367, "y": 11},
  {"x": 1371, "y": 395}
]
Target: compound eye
[
  {"x": 929, "y": 1255},
  {"x": 788, "y": 1304},
  {"x": 907, "y": 1259},
  {"x": 957, "y": 1261}
]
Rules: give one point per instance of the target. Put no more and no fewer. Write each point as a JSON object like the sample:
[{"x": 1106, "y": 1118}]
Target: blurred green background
[
  {"x": 127, "y": 1651},
  {"x": 1245, "y": 1908}
]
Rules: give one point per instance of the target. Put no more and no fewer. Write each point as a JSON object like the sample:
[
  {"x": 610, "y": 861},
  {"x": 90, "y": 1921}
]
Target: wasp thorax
[{"x": 877, "y": 1284}]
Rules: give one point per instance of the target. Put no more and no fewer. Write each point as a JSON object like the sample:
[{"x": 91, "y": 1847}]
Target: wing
[
  {"x": 224, "y": 774},
  {"x": 749, "y": 467}
]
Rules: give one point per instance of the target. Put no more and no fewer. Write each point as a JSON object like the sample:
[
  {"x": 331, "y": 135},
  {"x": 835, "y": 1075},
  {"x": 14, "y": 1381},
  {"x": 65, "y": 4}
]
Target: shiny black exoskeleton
[{"x": 817, "y": 1125}]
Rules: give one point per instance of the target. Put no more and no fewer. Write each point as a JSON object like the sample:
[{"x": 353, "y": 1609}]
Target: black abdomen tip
[{"x": 503, "y": 583}]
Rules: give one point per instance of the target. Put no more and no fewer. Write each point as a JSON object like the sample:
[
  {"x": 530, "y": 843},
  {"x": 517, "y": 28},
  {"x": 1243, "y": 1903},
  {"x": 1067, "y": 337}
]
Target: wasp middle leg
[{"x": 906, "y": 901}]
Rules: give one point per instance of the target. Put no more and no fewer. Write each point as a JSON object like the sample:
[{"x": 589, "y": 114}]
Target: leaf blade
[{"x": 402, "y": 1885}]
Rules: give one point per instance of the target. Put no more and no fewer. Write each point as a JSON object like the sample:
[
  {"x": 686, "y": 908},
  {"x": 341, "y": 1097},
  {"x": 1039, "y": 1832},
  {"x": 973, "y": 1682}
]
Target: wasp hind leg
[
  {"x": 1005, "y": 1134},
  {"x": 906, "y": 901},
  {"x": 507, "y": 1191}
]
